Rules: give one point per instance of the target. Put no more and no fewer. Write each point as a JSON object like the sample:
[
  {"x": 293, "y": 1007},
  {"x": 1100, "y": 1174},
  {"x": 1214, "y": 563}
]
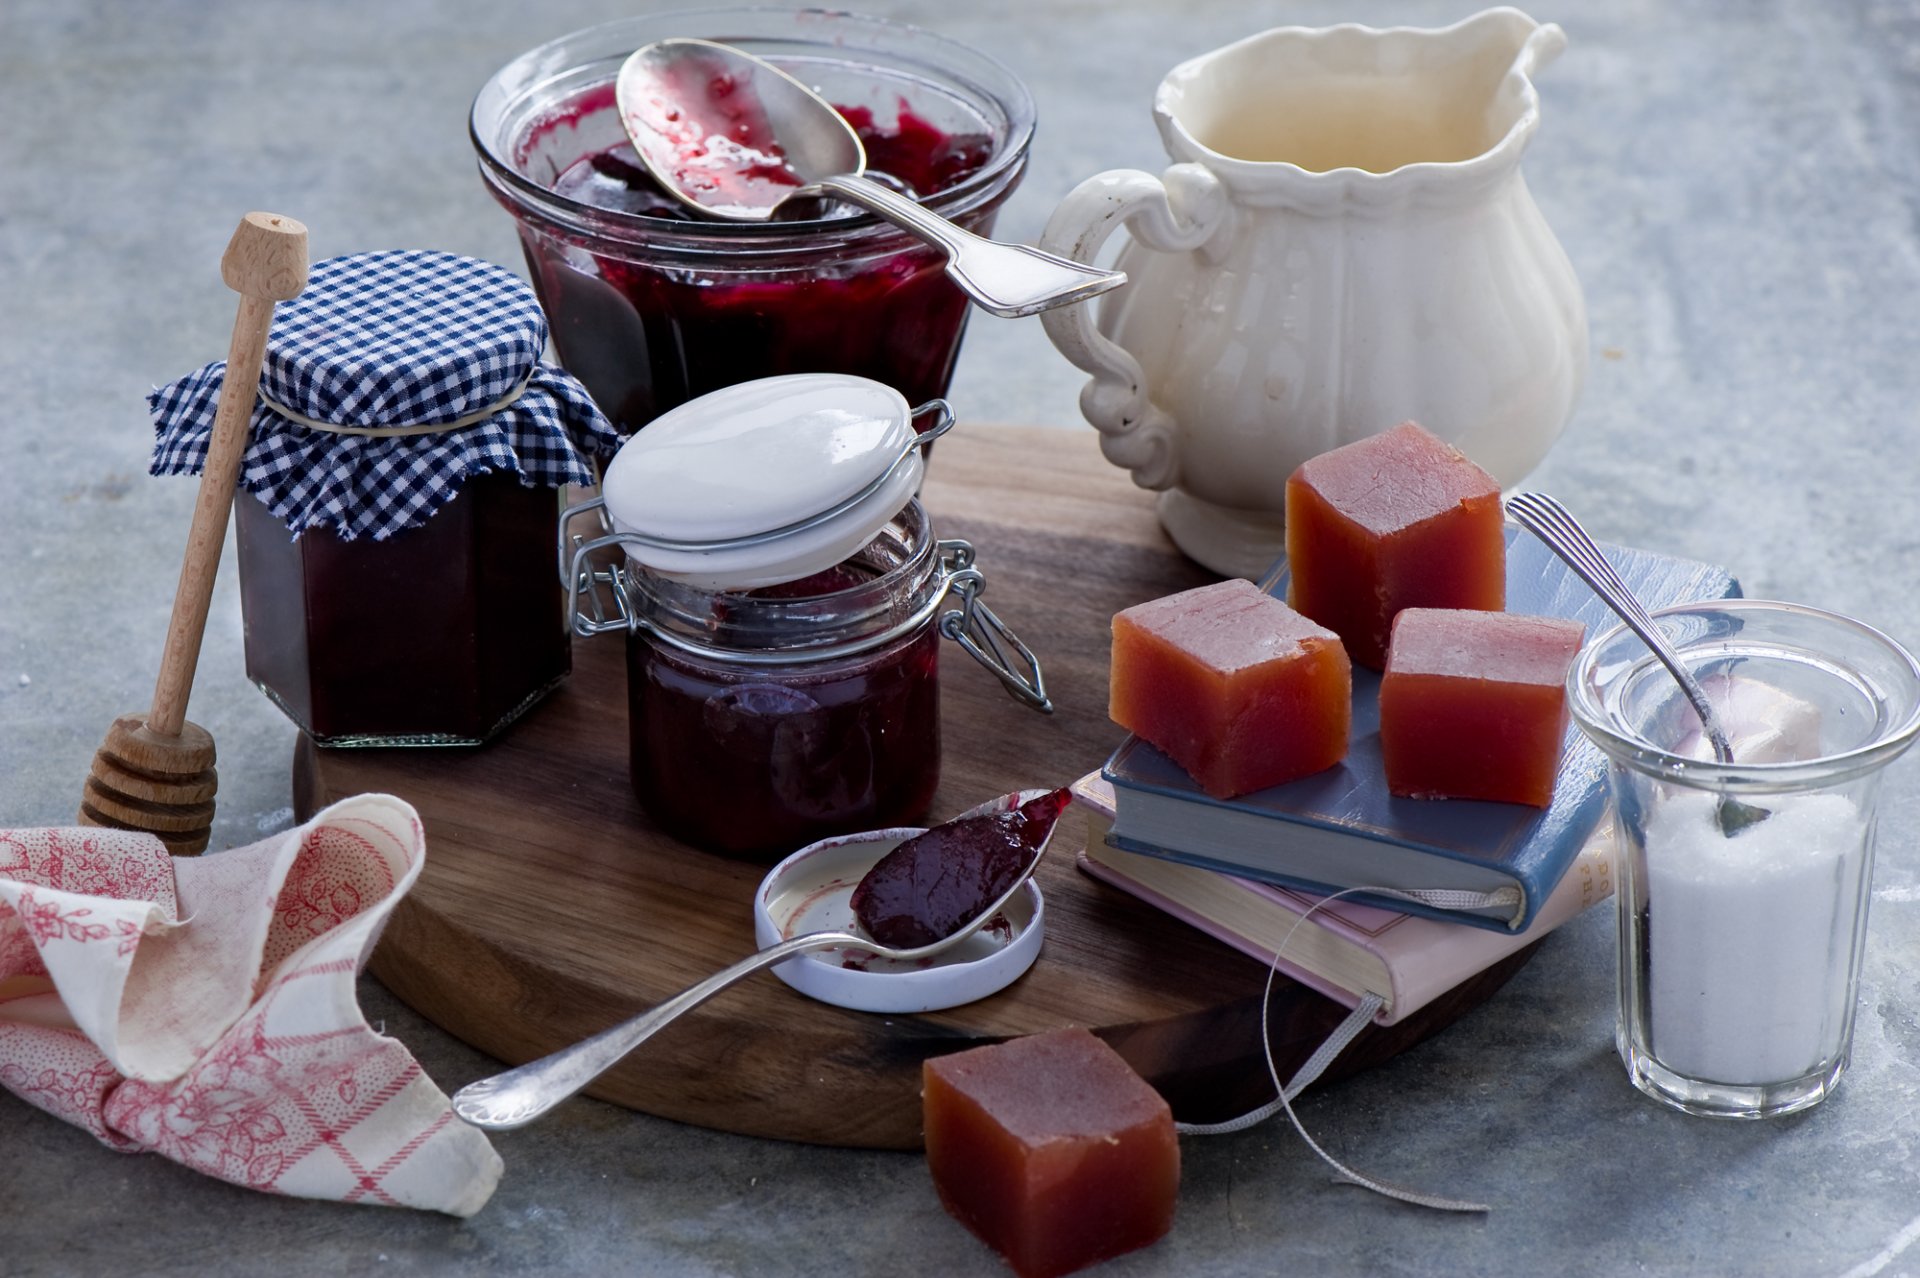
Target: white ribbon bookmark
[{"x": 1335, "y": 1043}]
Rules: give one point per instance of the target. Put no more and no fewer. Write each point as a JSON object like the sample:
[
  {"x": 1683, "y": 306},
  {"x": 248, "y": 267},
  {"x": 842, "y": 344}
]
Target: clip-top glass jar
[
  {"x": 651, "y": 307},
  {"x": 408, "y": 456},
  {"x": 781, "y": 689}
]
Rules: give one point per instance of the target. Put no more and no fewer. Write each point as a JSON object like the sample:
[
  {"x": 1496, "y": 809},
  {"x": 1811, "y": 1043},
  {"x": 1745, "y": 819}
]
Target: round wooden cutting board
[{"x": 550, "y": 907}]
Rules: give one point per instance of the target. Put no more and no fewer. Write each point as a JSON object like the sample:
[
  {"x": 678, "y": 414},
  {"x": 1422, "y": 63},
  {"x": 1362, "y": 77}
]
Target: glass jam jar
[
  {"x": 407, "y": 459},
  {"x": 651, "y": 308},
  {"x": 440, "y": 636},
  {"x": 763, "y": 720},
  {"x": 781, "y": 689}
]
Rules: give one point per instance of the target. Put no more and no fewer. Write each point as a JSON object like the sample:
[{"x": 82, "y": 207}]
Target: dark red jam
[
  {"x": 647, "y": 330},
  {"x": 440, "y": 634},
  {"x": 935, "y": 883},
  {"x": 761, "y": 761},
  {"x": 913, "y": 151}
]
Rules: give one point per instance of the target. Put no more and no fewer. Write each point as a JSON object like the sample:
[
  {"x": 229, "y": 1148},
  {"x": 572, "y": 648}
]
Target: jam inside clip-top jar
[
  {"x": 784, "y": 599},
  {"x": 758, "y": 758},
  {"x": 651, "y": 307}
]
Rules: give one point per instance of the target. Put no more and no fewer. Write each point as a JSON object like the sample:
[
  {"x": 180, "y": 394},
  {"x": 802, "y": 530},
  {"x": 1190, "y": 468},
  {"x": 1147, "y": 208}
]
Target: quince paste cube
[
  {"x": 1474, "y": 704},
  {"x": 1242, "y": 691},
  {"x": 1396, "y": 520},
  {"x": 1051, "y": 1149}
]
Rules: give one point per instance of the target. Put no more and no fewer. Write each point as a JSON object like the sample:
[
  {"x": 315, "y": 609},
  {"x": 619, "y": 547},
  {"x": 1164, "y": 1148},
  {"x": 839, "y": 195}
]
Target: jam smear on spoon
[
  {"x": 938, "y": 881},
  {"x": 713, "y": 134}
]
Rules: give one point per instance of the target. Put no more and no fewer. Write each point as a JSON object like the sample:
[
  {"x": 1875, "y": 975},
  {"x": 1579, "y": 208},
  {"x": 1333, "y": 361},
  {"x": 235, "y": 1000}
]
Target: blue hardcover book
[{"x": 1340, "y": 828}]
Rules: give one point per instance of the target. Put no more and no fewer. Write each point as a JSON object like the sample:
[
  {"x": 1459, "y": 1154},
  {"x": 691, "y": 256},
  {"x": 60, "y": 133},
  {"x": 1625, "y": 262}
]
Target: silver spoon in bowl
[
  {"x": 520, "y": 1095},
  {"x": 1554, "y": 525},
  {"x": 734, "y": 137}
]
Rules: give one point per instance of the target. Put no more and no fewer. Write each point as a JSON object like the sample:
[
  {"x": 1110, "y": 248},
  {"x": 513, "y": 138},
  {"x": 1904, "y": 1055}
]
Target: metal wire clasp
[
  {"x": 598, "y": 598},
  {"x": 585, "y": 581},
  {"x": 588, "y": 611},
  {"x": 985, "y": 637}
]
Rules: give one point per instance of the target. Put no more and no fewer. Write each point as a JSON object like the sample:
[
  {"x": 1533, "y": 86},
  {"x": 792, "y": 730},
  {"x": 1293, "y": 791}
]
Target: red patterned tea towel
[{"x": 203, "y": 1008}]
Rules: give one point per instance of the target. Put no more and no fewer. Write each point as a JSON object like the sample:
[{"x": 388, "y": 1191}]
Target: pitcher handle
[{"x": 1184, "y": 211}]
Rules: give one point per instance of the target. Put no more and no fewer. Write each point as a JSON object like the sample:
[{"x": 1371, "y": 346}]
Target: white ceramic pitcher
[{"x": 1343, "y": 242}]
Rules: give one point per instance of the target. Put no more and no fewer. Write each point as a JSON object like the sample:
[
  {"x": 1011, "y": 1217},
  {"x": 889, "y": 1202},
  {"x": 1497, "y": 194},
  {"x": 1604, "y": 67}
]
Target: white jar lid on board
[{"x": 767, "y": 481}]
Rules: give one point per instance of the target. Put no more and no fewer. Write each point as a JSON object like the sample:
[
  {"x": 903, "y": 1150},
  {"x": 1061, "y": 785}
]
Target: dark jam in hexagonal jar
[
  {"x": 650, "y": 319},
  {"x": 441, "y": 634}
]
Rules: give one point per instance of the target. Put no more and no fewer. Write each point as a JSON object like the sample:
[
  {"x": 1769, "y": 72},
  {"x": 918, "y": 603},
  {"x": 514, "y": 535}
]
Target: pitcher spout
[
  {"x": 1546, "y": 43},
  {"x": 1517, "y": 48},
  {"x": 1524, "y": 46},
  {"x": 1311, "y": 113}
]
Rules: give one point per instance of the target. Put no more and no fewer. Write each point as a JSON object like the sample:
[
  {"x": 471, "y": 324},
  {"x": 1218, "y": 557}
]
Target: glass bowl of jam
[{"x": 650, "y": 307}]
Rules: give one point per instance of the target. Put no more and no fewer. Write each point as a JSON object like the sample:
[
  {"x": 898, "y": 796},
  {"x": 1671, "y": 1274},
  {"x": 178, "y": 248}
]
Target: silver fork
[{"x": 1555, "y": 526}]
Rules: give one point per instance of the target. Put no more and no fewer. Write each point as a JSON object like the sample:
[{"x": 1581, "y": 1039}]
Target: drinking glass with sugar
[{"x": 1740, "y": 949}]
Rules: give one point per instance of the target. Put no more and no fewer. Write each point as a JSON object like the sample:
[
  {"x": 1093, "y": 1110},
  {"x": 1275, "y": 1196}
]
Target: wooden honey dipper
[{"x": 155, "y": 772}]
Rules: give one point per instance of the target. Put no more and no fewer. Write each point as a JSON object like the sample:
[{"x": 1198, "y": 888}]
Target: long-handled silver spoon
[
  {"x": 734, "y": 137},
  {"x": 1554, "y": 525},
  {"x": 522, "y": 1094}
]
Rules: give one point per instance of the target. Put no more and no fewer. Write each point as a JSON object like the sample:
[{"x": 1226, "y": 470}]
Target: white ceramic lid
[{"x": 753, "y": 458}]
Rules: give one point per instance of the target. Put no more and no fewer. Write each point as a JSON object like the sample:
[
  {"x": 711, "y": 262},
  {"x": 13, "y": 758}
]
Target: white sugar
[{"x": 1751, "y": 936}]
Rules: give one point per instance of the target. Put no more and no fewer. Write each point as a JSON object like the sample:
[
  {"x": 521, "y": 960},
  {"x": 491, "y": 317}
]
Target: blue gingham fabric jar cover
[{"x": 394, "y": 341}]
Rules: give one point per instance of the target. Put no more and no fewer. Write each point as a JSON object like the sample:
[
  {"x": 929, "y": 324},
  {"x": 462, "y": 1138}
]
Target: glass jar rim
[
  {"x": 544, "y": 63},
  {"x": 853, "y": 619},
  {"x": 1592, "y": 708}
]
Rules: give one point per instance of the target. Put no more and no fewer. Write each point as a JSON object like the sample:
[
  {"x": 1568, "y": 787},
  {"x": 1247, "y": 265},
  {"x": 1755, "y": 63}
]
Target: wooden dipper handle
[{"x": 265, "y": 262}]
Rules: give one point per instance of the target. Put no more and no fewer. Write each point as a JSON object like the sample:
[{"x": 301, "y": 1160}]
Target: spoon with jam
[
  {"x": 736, "y": 138},
  {"x": 923, "y": 898}
]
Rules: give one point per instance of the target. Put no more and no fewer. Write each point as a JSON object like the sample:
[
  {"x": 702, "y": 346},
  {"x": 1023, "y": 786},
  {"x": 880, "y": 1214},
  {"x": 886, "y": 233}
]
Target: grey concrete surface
[{"x": 1738, "y": 185}]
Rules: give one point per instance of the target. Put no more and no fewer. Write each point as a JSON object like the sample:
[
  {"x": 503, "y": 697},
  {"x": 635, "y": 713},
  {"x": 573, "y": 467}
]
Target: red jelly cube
[
  {"x": 1242, "y": 691},
  {"x": 1474, "y": 704},
  {"x": 1397, "y": 520},
  {"x": 1051, "y": 1149}
]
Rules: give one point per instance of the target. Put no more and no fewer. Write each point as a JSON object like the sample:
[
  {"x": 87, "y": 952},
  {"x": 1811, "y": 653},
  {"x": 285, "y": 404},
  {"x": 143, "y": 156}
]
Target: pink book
[{"x": 1344, "y": 949}]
